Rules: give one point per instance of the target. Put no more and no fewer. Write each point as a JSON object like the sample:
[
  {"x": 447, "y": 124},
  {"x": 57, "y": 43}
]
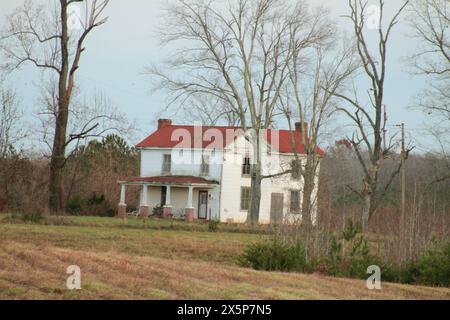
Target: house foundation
[
  {"x": 167, "y": 212},
  {"x": 122, "y": 211},
  {"x": 144, "y": 212},
  {"x": 189, "y": 214}
]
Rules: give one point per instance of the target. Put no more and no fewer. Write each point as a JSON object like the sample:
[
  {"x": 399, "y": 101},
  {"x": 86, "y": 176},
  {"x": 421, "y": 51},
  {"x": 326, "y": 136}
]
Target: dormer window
[
  {"x": 167, "y": 164},
  {"x": 204, "y": 167},
  {"x": 246, "y": 166}
]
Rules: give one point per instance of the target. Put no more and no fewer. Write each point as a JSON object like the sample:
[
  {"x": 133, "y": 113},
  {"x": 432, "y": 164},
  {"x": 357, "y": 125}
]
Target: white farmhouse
[{"x": 203, "y": 173}]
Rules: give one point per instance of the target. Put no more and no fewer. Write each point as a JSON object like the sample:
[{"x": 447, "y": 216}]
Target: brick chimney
[
  {"x": 164, "y": 123},
  {"x": 302, "y": 127}
]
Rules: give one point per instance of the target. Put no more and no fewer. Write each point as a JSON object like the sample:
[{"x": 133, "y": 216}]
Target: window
[
  {"x": 295, "y": 201},
  {"x": 246, "y": 166},
  {"x": 296, "y": 170},
  {"x": 245, "y": 198},
  {"x": 167, "y": 163},
  {"x": 204, "y": 168}
]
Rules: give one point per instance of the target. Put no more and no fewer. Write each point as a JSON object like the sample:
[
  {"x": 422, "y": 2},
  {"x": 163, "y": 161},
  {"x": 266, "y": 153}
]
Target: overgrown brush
[
  {"x": 431, "y": 268},
  {"x": 37, "y": 218},
  {"x": 91, "y": 205},
  {"x": 27, "y": 217},
  {"x": 213, "y": 225},
  {"x": 349, "y": 256}
]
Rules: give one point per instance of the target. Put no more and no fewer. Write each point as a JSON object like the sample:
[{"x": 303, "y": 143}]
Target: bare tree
[
  {"x": 40, "y": 35},
  {"x": 430, "y": 22},
  {"x": 210, "y": 112},
  {"x": 315, "y": 75},
  {"x": 92, "y": 116},
  {"x": 370, "y": 121},
  {"x": 11, "y": 129},
  {"x": 239, "y": 55}
]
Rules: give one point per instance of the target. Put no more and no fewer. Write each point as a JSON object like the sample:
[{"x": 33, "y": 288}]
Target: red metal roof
[
  {"x": 285, "y": 143},
  {"x": 183, "y": 136},
  {"x": 173, "y": 180}
]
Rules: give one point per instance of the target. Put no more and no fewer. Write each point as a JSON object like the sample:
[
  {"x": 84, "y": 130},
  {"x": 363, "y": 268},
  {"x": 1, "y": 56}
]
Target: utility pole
[
  {"x": 384, "y": 130},
  {"x": 402, "y": 218},
  {"x": 403, "y": 191}
]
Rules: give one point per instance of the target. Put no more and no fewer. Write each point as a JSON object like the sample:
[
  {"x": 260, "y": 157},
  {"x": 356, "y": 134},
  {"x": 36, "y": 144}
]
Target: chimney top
[
  {"x": 301, "y": 127},
  {"x": 164, "y": 123}
]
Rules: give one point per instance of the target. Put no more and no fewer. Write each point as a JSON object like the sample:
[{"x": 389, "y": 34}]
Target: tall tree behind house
[{"x": 238, "y": 54}]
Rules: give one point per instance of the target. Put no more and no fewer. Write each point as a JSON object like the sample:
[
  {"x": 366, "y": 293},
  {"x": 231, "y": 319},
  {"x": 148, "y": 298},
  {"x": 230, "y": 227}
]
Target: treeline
[
  {"x": 427, "y": 205},
  {"x": 90, "y": 185}
]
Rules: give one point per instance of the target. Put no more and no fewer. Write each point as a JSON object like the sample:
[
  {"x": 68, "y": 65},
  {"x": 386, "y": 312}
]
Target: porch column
[
  {"x": 189, "y": 211},
  {"x": 167, "y": 208},
  {"x": 122, "y": 210},
  {"x": 144, "y": 211}
]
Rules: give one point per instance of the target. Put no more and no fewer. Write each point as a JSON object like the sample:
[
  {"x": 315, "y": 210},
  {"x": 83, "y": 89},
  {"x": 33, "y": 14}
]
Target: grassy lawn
[{"x": 158, "y": 260}]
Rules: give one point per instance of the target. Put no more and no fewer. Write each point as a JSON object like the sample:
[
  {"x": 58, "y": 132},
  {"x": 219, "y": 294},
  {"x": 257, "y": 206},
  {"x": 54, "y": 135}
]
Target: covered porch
[{"x": 186, "y": 197}]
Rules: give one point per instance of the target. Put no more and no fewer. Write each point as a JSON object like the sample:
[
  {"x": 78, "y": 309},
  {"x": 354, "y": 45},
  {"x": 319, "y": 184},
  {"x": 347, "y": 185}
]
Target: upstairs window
[
  {"x": 296, "y": 169},
  {"x": 245, "y": 198},
  {"x": 295, "y": 201},
  {"x": 204, "y": 168},
  {"x": 167, "y": 163},
  {"x": 246, "y": 166}
]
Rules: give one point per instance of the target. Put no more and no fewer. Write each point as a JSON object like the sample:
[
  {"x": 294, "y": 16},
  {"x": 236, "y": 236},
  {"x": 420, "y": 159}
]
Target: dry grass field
[{"x": 158, "y": 261}]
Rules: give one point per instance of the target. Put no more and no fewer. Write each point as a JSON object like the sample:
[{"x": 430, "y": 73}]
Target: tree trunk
[
  {"x": 255, "y": 196},
  {"x": 307, "y": 203},
  {"x": 368, "y": 197},
  {"x": 308, "y": 188},
  {"x": 62, "y": 116},
  {"x": 368, "y": 209},
  {"x": 57, "y": 160},
  {"x": 256, "y": 179}
]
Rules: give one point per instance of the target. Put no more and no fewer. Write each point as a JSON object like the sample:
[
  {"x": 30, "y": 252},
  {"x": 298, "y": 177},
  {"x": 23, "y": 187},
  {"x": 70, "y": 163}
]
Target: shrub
[
  {"x": 158, "y": 211},
  {"x": 359, "y": 258},
  {"x": 333, "y": 261},
  {"x": 94, "y": 205},
  {"x": 351, "y": 256},
  {"x": 432, "y": 267},
  {"x": 95, "y": 199},
  {"x": 213, "y": 226},
  {"x": 74, "y": 204},
  {"x": 57, "y": 221},
  {"x": 274, "y": 255},
  {"x": 350, "y": 231},
  {"x": 352, "y": 262},
  {"x": 33, "y": 217}
]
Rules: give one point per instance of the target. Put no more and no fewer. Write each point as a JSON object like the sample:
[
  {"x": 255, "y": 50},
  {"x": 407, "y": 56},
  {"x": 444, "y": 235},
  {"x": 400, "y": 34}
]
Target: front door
[
  {"x": 202, "y": 204},
  {"x": 276, "y": 208}
]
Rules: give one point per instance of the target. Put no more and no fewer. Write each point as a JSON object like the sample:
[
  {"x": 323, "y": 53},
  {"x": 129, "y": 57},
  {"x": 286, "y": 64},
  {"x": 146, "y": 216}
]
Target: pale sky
[{"x": 117, "y": 53}]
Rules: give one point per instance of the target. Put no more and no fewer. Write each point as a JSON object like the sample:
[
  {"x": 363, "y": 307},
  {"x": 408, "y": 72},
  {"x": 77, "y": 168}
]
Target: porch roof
[{"x": 171, "y": 180}]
